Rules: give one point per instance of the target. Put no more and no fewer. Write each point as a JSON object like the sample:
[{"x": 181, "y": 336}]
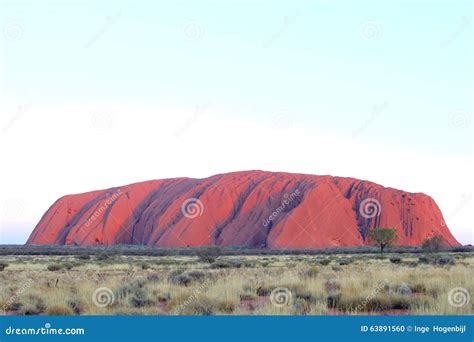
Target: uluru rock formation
[{"x": 251, "y": 208}]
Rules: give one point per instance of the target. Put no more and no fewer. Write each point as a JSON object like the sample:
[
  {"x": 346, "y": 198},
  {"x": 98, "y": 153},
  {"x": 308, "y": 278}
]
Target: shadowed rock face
[{"x": 251, "y": 208}]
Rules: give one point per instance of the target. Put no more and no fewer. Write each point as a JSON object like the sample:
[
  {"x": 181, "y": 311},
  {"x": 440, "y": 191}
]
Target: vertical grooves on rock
[
  {"x": 79, "y": 216},
  {"x": 179, "y": 215},
  {"x": 154, "y": 216},
  {"x": 240, "y": 202}
]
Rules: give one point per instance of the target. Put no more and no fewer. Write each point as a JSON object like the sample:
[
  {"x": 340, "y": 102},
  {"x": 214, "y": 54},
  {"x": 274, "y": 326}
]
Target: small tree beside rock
[{"x": 383, "y": 237}]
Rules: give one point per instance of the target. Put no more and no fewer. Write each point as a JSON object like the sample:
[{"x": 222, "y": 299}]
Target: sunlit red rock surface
[{"x": 251, "y": 208}]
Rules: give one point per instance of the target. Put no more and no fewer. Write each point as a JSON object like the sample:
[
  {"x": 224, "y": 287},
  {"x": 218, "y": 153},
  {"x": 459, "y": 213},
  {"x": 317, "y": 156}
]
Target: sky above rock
[{"x": 100, "y": 95}]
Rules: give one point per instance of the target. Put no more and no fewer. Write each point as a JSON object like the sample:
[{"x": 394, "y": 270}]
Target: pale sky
[{"x": 101, "y": 95}]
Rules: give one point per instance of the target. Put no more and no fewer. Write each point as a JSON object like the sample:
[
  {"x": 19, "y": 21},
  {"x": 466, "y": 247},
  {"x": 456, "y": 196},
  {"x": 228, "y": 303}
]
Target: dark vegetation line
[{"x": 188, "y": 251}]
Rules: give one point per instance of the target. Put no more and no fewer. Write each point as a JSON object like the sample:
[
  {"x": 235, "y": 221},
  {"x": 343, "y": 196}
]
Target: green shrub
[
  {"x": 139, "y": 298},
  {"x": 182, "y": 279},
  {"x": 395, "y": 260},
  {"x": 129, "y": 289},
  {"x": 445, "y": 260},
  {"x": 209, "y": 254},
  {"x": 55, "y": 267},
  {"x": 236, "y": 263},
  {"x": 124, "y": 290},
  {"x": 144, "y": 266},
  {"x": 325, "y": 262},
  {"x": 3, "y": 265},
  {"x": 68, "y": 265},
  {"x": 425, "y": 260},
  {"x": 83, "y": 257},
  {"x": 102, "y": 257},
  {"x": 221, "y": 264},
  {"x": 153, "y": 277},
  {"x": 175, "y": 272},
  {"x": 344, "y": 262},
  {"x": 197, "y": 275},
  {"x": 412, "y": 264},
  {"x": 311, "y": 272}
]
